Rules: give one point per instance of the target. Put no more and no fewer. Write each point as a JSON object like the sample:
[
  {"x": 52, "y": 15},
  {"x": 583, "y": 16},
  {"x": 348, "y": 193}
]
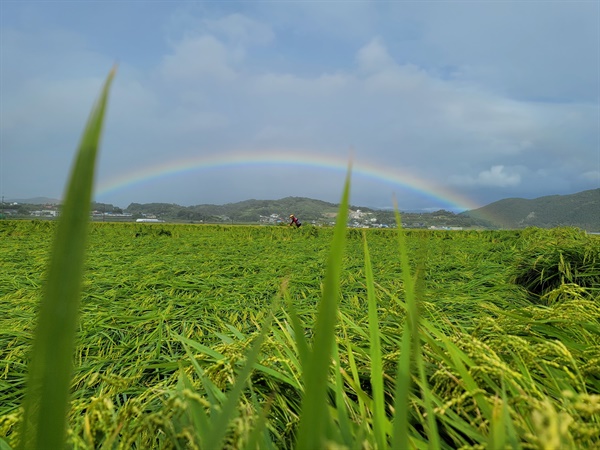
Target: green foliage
[
  {"x": 214, "y": 286},
  {"x": 566, "y": 257},
  {"x": 576, "y": 210}
]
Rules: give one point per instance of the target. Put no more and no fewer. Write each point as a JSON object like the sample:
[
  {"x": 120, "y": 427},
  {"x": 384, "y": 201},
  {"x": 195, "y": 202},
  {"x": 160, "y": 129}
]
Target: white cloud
[
  {"x": 185, "y": 120},
  {"x": 327, "y": 20},
  {"x": 241, "y": 29},
  {"x": 195, "y": 58},
  {"x": 374, "y": 57},
  {"x": 496, "y": 176},
  {"x": 525, "y": 50},
  {"x": 285, "y": 83},
  {"x": 213, "y": 49}
]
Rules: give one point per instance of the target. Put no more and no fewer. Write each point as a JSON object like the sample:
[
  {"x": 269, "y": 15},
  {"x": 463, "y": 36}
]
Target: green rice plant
[
  {"x": 411, "y": 353},
  {"x": 127, "y": 362},
  {"x": 380, "y": 422},
  {"x": 546, "y": 264},
  {"x": 46, "y": 401},
  {"x": 211, "y": 431},
  {"x": 312, "y": 430}
]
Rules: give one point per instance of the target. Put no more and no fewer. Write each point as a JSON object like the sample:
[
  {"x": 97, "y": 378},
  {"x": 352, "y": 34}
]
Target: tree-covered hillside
[{"x": 579, "y": 210}]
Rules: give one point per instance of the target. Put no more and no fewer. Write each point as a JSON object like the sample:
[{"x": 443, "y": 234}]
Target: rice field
[{"x": 506, "y": 348}]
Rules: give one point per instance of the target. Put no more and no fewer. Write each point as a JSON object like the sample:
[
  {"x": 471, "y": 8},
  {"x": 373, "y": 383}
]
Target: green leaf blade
[
  {"x": 379, "y": 417},
  {"x": 313, "y": 418},
  {"x": 46, "y": 400}
]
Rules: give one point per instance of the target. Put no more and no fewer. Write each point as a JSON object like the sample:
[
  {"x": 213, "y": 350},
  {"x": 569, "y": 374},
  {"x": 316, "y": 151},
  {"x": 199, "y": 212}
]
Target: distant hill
[
  {"x": 35, "y": 201},
  {"x": 307, "y": 209},
  {"x": 245, "y": 211},
  {"x": 579, "y": 210}
]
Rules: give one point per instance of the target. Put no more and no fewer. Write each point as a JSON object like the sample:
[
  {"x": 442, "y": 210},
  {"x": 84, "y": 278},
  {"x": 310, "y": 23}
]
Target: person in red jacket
[{"x": 294, "y": 221}]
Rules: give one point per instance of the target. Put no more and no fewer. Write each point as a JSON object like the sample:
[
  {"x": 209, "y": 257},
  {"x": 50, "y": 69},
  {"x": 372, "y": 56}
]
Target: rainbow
[{"x": 390, "y": 175}]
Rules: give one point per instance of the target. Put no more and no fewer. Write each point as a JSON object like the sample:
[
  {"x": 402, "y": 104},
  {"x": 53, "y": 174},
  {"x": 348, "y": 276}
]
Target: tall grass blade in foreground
[
  {"x": 47, "y": 395},
  {"x": 379, "y": 417},
  {"x": 410, "y": 354},
  {"x": 298, "y": 327},
  {"x": 407, "y": 351},
  {"x": 341, "y": 409},
  {"x": 314, "y": 416}
]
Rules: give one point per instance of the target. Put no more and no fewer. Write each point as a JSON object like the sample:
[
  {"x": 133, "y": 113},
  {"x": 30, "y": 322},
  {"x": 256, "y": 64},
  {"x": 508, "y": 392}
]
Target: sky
[{"x": 438, "y": 104}]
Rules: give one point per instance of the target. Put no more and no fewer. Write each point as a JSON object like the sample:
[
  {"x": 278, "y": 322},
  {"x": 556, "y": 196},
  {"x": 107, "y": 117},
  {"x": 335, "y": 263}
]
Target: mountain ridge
[
  {"x": 34, "y": 201},
  {"x": 581, "y": 209}
]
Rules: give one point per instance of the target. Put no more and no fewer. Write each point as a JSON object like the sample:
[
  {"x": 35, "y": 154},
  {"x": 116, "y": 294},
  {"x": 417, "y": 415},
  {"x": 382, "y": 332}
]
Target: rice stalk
[{"x": 380, "y": 421}]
